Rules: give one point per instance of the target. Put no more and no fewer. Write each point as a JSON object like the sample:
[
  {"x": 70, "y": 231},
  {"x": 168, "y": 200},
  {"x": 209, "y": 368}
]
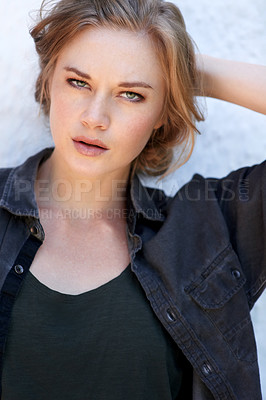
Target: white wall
[{"x": 231, "y": 137}]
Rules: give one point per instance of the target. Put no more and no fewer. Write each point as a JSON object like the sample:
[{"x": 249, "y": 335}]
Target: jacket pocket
[{"x": 219, "y": 291}]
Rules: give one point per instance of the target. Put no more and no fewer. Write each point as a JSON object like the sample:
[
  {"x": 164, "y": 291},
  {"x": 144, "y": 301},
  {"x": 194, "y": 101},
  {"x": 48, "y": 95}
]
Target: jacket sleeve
[{"x": 242, "y": 198}]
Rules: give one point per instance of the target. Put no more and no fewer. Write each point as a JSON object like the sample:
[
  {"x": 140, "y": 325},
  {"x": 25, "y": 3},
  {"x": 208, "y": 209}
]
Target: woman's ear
[{"x": 160, "y": 123}]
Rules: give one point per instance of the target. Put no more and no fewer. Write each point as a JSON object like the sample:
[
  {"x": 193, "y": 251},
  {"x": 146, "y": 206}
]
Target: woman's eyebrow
[
  {"x": 121, "y": 84},
  {"x": 134, "y": 84},
  {"x": 76, "y": 71}
]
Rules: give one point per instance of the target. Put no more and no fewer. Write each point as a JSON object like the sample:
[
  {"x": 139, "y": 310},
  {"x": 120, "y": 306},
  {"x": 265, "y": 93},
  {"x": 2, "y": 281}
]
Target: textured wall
[{"x": 231, "y": 137}]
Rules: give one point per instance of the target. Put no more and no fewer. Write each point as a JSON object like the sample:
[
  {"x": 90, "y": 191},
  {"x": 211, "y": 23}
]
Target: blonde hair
[{"x": 163, "y": 22}]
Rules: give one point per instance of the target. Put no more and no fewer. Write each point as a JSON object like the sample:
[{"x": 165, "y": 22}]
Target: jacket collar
[
  {"x": 17, "y": 191},
  {"x": 149, "y": 202}
]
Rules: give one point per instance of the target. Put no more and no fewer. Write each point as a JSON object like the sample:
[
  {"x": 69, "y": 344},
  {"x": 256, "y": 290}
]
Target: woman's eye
[
  {"x": 77, "y": 83},
  {"x": 132, "y": 96}
]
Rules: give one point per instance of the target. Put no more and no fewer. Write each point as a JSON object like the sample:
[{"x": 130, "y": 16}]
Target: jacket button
[
  {"x": 236, "y": 273},
  {"x": 171, "y": 315},
  {"x": 34, "y": 230},
  {"x": 19, "y": 269},
  {"x": 206, "y": 369}
]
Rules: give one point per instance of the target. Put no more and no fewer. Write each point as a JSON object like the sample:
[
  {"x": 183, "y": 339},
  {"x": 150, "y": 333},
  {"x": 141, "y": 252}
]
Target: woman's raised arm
[{"x": 236, "y": 82}]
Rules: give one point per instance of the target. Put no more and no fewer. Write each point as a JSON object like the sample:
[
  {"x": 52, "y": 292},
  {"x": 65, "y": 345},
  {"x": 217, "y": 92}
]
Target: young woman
[{"x": 109, "y": 289}]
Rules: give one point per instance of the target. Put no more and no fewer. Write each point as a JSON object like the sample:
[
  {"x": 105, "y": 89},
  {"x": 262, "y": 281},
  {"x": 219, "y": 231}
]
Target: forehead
[{"x": 121, "y": 52}]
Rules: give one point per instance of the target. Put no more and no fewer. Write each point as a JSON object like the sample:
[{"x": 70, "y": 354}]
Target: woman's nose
[{"x": 96, "y": 115}]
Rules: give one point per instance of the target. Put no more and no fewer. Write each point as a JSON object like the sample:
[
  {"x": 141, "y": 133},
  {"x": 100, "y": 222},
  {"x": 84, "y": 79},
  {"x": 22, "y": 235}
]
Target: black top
[{"x": 103, "y": 344}]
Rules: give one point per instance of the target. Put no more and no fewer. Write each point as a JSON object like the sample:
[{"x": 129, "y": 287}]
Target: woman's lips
[{"x": 89, "y": 146}]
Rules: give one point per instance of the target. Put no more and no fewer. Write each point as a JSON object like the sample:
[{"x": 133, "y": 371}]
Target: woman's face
[{"x": 107, "y": 93}]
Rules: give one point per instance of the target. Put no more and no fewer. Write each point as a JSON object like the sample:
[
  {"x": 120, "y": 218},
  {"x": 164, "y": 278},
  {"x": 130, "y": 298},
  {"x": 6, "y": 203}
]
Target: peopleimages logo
[{"x": 63, "y": 190}]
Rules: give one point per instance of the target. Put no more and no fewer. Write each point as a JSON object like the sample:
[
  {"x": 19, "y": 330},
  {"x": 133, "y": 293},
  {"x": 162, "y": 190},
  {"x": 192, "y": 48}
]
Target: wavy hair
[{"x": 59, "y": 22}]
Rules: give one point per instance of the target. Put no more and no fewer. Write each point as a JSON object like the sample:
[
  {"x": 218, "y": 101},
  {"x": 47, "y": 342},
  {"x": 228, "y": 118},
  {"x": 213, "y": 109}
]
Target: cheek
[
  {"x": 138, "y": 133},
  {"x": 142, "y": 127},
  {"x": 61, "y": 111},
  {"x": 59, "y": 104}
]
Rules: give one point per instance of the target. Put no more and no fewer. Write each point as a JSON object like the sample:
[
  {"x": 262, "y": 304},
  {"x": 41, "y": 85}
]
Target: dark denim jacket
[{"x": 200, "y": 257}]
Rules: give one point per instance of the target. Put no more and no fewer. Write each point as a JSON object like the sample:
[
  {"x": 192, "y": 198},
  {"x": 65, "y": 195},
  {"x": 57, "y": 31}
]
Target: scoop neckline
[{"x": 48, "y": 292}]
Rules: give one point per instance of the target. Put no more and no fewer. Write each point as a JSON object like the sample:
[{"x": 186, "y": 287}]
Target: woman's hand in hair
[{"x": 236, "y": 82}]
